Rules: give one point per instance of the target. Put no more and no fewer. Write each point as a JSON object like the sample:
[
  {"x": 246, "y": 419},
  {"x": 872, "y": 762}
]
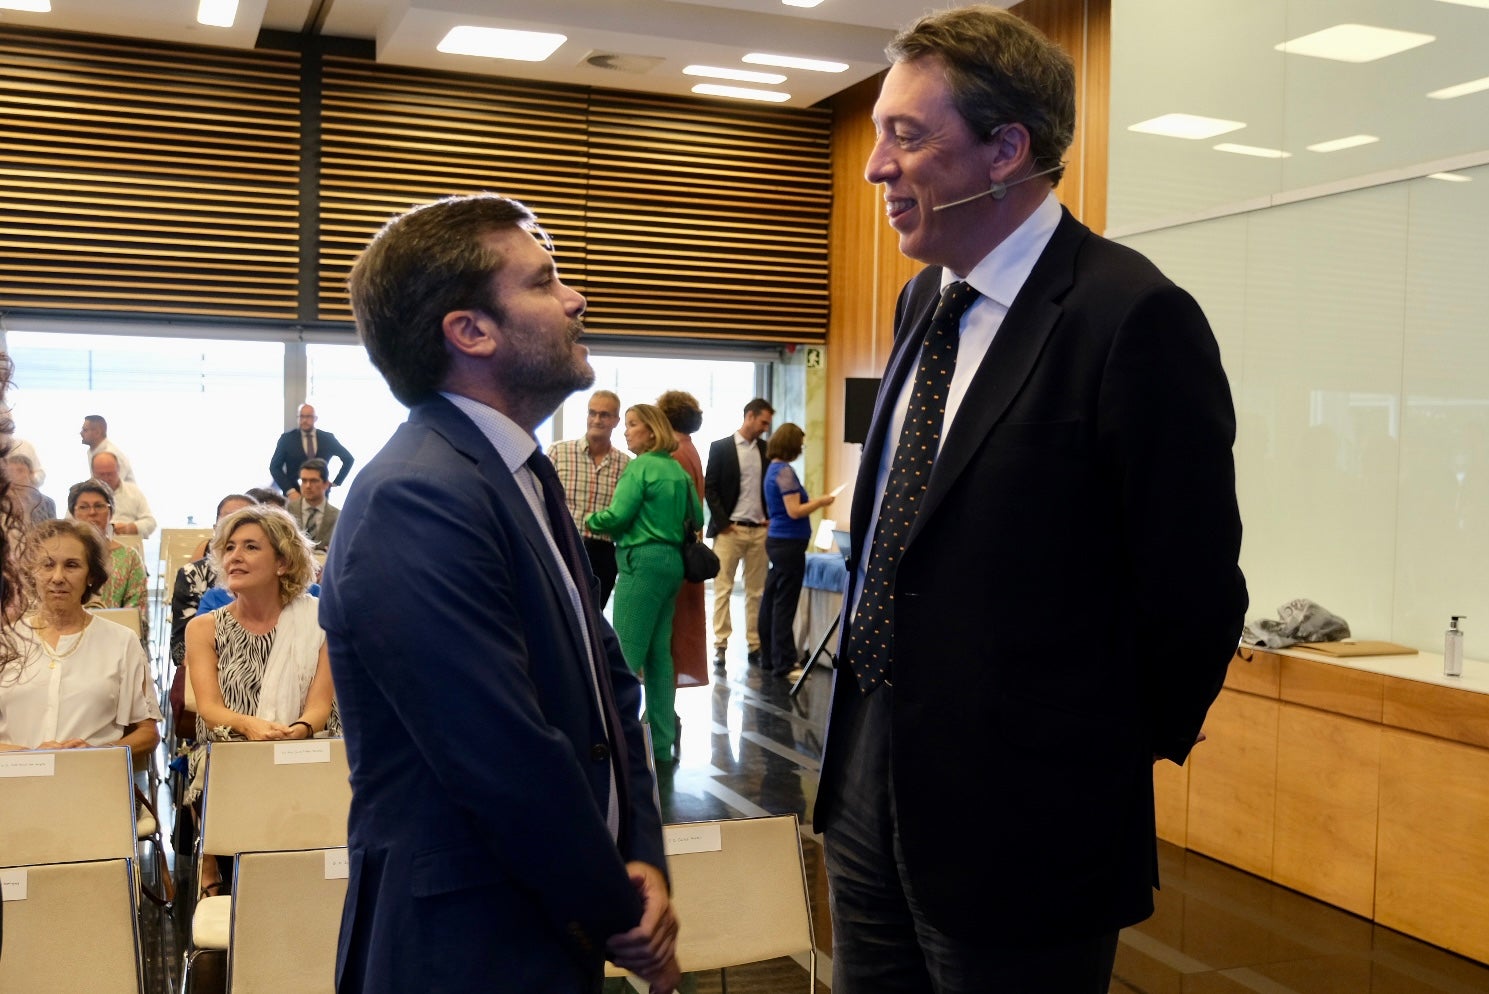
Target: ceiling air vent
[{"x": 620, "y": 62}]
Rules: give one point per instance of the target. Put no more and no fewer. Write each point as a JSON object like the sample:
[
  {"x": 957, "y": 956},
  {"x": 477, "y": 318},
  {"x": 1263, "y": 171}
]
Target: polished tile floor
[{"x": 749, "y": 748}]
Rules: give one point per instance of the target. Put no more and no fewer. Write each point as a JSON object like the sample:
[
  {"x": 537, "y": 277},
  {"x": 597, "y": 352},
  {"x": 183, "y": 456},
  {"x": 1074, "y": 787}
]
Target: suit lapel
[{"x": 1008, "y": 363}]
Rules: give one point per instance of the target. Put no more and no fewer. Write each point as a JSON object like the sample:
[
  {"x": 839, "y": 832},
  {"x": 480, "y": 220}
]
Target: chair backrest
[
  {"x": 263, "y": 796},
  {"x": 65, "y": 805},
  {"x": 740, "y": 889},
  {"x": 74, "y": 929},
  {"x": 134, "y": 542},
  {"x": 129, "y": 617},
  {"x": 286, "y": 921},
  {"x": 176, "y": 547}
]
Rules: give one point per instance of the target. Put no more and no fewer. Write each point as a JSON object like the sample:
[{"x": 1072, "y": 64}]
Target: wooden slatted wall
[
  {"x": 392, "y": 138},
  {"x": 158, "y": 178},
  {"x": 708, "y": 219}
]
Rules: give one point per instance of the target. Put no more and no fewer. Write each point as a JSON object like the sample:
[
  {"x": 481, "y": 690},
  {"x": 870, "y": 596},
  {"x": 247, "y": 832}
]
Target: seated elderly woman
[
  {"x": 92, "y": 502},
  {"x": 82, "y": 681},
  {"x": 258, "y": 666}
]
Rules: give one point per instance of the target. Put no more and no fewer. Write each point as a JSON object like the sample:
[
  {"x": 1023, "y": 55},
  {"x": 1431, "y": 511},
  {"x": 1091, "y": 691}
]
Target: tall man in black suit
[
  {"x": 306, "y": 442},
  {"x": 734, "y": 486},
  {"x": 1044, "y": 594}
]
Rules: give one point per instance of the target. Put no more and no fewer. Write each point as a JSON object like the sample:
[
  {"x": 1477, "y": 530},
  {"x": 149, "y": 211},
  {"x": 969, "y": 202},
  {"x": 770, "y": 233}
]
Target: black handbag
[{"x": 698, "y": 561}]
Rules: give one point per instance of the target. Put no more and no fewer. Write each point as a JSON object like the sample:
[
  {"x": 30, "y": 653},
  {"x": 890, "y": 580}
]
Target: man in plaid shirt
[{"x": 588, "y": 468}]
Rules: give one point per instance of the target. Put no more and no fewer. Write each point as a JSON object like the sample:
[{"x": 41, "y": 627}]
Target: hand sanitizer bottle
[{"x": 1452, "y": 650}]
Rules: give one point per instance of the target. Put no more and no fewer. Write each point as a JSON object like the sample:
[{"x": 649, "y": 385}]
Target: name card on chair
[
  {"x": 680, "y": 839},
  {"x": 303, "y": 751},
  {"x": 28, "y": 764},
  {"x": 13, "y": 884},
  {"x": 338, "y": 867}
]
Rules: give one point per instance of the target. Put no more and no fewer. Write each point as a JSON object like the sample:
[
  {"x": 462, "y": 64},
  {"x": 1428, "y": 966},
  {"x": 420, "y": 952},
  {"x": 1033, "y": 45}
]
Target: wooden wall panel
[
  {"x": 1327, "y": 687},
  {"x": 1255, "y": 672},
  {"x": 1446, "y": 712},
  {"x": 1233, "y": 782},
  {"x": 1432, "y": 870},
  {"x": 1171, "y": 802},
  {"x": 1328, "y": 782}
]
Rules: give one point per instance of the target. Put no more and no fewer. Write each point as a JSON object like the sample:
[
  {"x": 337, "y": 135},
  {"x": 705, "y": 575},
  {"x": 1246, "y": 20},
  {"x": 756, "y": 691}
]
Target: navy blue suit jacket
[
  {"x": 1068, "y": 601},
  {"x": 480, "y": 773},
  {"x": 289, "y": 456}
]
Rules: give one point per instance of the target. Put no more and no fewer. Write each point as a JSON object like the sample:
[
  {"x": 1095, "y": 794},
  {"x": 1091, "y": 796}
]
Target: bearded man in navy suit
[
  {"x": 503, "y": 828},
  {"x": 1054, "y": 599}
]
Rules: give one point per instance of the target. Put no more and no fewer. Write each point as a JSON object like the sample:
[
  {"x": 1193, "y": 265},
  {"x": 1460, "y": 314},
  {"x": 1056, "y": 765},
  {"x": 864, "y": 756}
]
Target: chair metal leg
[{"x": 821, "y": 650}]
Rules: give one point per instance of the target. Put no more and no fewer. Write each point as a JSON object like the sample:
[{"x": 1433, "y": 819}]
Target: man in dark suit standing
[
  {"x": 311, "y": 510},
  {"x": 734, "y": 486},
  {"x": 503, "y": 829},
  {"x": 1044, "y": 593},
  {"x": 306, "y": 442}
]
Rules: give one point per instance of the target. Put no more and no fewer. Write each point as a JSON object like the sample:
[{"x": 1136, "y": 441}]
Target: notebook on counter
[{"x": 1357, "y": 647}]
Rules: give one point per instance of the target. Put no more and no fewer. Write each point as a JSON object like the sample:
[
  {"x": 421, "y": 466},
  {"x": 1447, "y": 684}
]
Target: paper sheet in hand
[
  {"x": 823, "y": 541},
  {"x": 837, "y": 490}
]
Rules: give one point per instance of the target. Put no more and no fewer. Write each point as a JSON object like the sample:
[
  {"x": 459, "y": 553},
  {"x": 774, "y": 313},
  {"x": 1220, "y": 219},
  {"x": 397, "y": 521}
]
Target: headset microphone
[{"x": 998, "y": 190}]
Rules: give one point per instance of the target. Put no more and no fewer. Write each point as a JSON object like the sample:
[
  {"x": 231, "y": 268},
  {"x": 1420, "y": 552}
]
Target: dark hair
[
  {"x": 232, "y": 497},
  {"x": 758, "y": 406},
  {"x": 12, "y": 534},
  {"x": 785, "y": 442},
  {"x": 95, "y": 550},
  {"x": 319, "y": 465},
  {"x": 1001, "y": 70},
  {"x": 92, "y": 485},
  {"x": 682, "y": 411},
  {"x": 263, "y": 495},
  {"x": 97, "y": 419},
  {"x": 420, "y": 267}
]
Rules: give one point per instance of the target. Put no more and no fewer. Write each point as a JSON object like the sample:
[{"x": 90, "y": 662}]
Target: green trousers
[{"x": 645, "y": 595}]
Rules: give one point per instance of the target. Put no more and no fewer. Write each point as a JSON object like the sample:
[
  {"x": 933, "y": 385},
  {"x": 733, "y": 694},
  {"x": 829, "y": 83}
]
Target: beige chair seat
[{"x": 211, "y": 923}]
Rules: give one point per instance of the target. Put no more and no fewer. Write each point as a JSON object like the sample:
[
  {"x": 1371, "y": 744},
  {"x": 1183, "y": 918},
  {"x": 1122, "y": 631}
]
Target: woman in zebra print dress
[{"x": 258, "y": 666}]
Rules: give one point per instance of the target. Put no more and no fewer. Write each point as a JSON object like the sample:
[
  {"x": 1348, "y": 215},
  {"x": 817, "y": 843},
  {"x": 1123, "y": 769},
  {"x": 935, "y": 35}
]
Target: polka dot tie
[{"x": 871, "y": 635}]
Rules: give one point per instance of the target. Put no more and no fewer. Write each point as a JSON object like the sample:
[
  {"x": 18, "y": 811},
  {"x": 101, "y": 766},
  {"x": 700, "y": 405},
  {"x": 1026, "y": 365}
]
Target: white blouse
[{"x": 94, "y": 692}]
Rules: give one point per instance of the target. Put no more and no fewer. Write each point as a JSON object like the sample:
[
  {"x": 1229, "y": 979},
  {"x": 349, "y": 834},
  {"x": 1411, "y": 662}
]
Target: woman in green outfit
[{"x": 654, "y": 499}]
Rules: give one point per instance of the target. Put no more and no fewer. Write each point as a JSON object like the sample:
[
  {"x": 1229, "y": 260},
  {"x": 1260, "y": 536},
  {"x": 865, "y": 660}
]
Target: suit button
[{"x": 599, "y": 752}]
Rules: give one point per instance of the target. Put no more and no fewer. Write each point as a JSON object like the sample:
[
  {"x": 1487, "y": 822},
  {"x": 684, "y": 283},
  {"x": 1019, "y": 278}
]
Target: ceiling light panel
[
  {"x": 1461, "y": 90},
  {"x": 1191, "y": 126},
  {"x": 29, "y": 6},
  {"x": 1354, "y": 43},
  {"x": 1340, "y": 144},
  {"x": 801, "y": 3},
  {"x": 741, "y": 93},
  {"x": 1451, "y": 177},
  {"x": 738, "y": 75},
  {"x": 501, "y": 43},
  {"x": 1253, "y": 150},
  {"x": 793, "y": 62},
  {"x": 1484, "y": 4}
]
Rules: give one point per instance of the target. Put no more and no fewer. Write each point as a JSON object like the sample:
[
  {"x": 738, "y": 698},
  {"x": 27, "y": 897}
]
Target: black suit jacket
[
  {"x": 1068, "y": 602},
  {"x": 721, "y": 481},
  {"x": 289, "y": 456}
]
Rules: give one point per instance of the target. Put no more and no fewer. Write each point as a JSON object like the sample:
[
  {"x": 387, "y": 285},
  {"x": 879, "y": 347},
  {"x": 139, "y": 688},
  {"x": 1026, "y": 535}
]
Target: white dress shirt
[{"x": 131, "y": 507}]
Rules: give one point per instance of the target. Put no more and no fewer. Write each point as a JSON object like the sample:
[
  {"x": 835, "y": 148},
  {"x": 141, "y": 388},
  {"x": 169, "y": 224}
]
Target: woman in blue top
[
  {"x": 786, "y": 547},
  {"x": 654, "y": 500}
]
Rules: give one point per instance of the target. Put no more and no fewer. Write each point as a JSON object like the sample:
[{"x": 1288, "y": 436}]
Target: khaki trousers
[{"x": 747, "y": 544}]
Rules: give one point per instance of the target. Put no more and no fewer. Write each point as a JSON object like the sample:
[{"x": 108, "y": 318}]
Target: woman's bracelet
[{"x": 309, "y": 731}]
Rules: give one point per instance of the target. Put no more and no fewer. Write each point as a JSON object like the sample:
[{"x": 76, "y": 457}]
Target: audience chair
[
  {"x": 134, "y": 542},
  {"x": 66, "y": 806},
  {"x": 75, "y": 930},
  {"x": 147, "y": 829},
  {"x": 129, "y": 617},
  {"x": 742, "y": 898},
  {"x": 176, "y": 548},
  {"x": 286, "y": 921},
  {"x": 265, "y": 797}
]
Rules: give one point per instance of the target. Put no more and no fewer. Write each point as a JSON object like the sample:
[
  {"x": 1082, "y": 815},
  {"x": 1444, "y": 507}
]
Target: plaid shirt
[{"x": 587, "y": 488}]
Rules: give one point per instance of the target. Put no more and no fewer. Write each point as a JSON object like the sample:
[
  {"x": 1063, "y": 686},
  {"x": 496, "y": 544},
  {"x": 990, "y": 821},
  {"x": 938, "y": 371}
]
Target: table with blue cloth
[{"x": 821, "y": 600}]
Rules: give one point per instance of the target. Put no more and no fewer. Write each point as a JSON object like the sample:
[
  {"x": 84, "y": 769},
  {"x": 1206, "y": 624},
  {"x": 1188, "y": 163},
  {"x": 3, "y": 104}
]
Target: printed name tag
[
  {"x": 680, "y": 839},
  {"x": 28, "y": 764},
  {"x": 337, "y": 865},
  {"x": 13, "y": 884},
  {"x": 304, "y": 751}
]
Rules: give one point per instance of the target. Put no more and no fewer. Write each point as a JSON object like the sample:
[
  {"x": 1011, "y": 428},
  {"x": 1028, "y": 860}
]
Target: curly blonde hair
[{"x": 289, "y": 543}]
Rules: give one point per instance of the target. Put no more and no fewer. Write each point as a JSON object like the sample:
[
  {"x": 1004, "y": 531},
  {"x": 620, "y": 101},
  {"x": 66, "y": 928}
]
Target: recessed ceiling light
[
  {"x": 1461, "y": 90},
  {"x": 792, "y": 62},
  {"x": 1260, "y": 153},
  {"x": 801, "y": 3},
  {"x": 741, "y": 92},
  {"x": 1451, "y": 177},
  {"x": 1354, "y": 43},
  {"x": 500, "y": 43},
  {"x": 1340, "y": 144},
  {"x": 742, "y": 75},
  {"x": 217, "y": 13},
  {"x": 29, "y": 6},
  {"x": 1190, "y": 126},
  {"x": 1470, "y": 3}
]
